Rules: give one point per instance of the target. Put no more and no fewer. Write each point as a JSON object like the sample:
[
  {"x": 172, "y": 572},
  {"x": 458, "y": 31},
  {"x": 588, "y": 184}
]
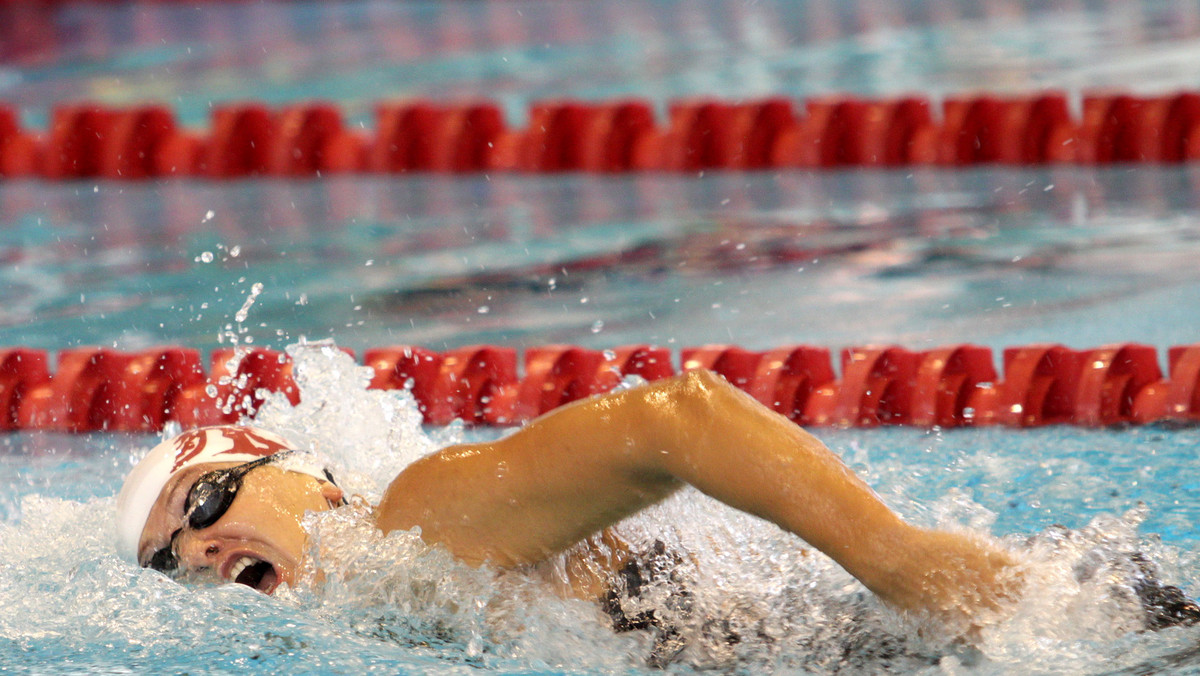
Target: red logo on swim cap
[{"x": 245, "y": 441}]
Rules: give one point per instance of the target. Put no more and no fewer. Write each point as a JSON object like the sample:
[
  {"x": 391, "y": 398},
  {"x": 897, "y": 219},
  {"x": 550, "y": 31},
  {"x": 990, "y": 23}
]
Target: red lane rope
[
  {"x": 952, "y": 386},
  {"x": 86, "y": 140}
]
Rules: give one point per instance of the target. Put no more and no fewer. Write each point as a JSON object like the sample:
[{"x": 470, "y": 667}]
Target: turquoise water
[
  {"x": 998, "y": 258},
  {"x": 995, "y": 257},
  {"x": 357, "y": 52}
]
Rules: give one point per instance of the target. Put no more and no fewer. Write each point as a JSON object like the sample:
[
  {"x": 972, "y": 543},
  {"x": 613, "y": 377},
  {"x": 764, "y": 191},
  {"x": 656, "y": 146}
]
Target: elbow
[
  {"x": 709, "y": 402},
  {"x": 705, "y": 389},
  {"x": 691, "y": 400}
]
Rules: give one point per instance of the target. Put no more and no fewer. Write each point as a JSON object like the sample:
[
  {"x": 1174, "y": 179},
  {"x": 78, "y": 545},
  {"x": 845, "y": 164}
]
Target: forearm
[
  {"x": 726, "y": 444},
  {"x": 720, "y": 440}
]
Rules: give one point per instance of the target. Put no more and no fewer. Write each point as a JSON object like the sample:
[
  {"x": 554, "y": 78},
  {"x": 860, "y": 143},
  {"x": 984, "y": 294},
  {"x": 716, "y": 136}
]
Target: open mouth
[{"x": 254, "y": 573}]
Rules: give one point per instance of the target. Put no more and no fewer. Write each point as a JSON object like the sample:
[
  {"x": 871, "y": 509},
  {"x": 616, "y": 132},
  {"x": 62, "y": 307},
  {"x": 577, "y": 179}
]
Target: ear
[{"x": 332, "y": 493}]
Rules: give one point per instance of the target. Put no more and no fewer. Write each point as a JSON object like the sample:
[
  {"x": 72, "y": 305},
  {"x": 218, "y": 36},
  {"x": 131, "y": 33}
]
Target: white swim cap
[{"x": 226, "y": 443}]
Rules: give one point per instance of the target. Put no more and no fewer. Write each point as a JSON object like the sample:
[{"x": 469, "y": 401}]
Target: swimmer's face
[{"x": 259, "y": 540}]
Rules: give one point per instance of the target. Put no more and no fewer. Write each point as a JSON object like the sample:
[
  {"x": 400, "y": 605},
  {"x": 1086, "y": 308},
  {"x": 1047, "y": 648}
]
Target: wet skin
[{"x": 261, "y": 526}]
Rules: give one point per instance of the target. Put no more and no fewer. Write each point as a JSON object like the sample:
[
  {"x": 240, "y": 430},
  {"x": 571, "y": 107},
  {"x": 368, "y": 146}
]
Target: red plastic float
[
  {"x": 1175, "y": 399},
  {"x": 949, "y": 386},
  {"x": 72, "y": 148},
  {"x": 607, "y": 144},
  {"x": 795, "y": 381},
  {"x": 733, "y": 363},
  {"x": 485, "y": 382},
  {"x": 476, "y": 384},
  {"x": 86, "y": 140},
  {"x": 130, "y": 146},
  {"x": 876, "y": 387},
  {"x": 1109, "y": 382},
  {"x": 415, "y": 369},
  {"x": 551, "y": 143},
  {"x": 911, "y": 134},
  {"x": 18, "y": 150},
  {"x": 1040, "y": 386},
  {"x": 87, "y": 392},
  {"x": 422, "y": 136},
  {"x": 1181, "y": 129},
  {"x": 103, "y": 389},
  {"x": 159, "y": 380},
  {"x": 240, "y": 144},
  {"x": 1050, "y": 136},
  {"x": 557, "y": 375},
  {"x": 21, "y": 371},
  {"x": 300, "y": 136}
]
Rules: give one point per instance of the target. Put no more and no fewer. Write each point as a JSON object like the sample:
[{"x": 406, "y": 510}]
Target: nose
[{"x": 197, "y": 551}]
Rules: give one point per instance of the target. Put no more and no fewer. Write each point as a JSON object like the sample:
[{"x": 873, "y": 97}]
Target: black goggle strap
[{"x": 164, "y": 560}]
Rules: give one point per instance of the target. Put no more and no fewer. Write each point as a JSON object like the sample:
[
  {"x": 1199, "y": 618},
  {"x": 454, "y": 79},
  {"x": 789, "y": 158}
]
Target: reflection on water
[
  {"x": 517, "y": 52},
  {"x": 998, "y": 257}
]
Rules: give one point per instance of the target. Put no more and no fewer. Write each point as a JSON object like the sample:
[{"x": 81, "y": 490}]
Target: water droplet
[
  {"x": 598, "y": 326},
  {"x": 254, "y": 292},
  {"x": 206, "y": 257}
]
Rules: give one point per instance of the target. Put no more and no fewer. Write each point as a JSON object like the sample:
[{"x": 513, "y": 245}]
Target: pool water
[
  {"x": 995, "y": 257},
  {"x": 394, "y": 605},
  {"x": 920, "y": 258}
]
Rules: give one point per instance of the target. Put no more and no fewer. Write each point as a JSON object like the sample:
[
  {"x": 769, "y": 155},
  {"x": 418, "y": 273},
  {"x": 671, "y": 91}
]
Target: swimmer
[{"x": 229, "y": 501}]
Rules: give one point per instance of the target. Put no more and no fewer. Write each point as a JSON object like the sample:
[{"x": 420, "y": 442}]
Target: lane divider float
[
  {"x": 89, "y": 140},
  {"x": 94, "y": 389}
]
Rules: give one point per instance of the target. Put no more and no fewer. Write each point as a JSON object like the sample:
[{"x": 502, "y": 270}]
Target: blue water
[
  {"x": 919, "y": 258},
  {"x": 515, "y": 52},
  {"x": 994, "y": 257}
]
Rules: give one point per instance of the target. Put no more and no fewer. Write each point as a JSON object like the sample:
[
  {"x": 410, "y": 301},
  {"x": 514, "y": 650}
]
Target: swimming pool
[{"x": 922, "y": 258}]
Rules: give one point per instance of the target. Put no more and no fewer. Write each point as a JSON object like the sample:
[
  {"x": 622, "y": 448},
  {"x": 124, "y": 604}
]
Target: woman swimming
[{"x": 216, "y": 499}]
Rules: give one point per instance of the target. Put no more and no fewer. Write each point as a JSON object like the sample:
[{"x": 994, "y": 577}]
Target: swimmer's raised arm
[{"x": 585, "y": 466}]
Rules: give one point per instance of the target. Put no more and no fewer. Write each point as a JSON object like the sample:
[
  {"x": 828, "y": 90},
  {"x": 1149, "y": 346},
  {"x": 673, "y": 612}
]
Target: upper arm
[
  {"x": 534, "y": 493},
  {"x": 585, "y": 466}
]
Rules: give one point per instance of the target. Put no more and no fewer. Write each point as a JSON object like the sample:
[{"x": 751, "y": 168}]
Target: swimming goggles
[{"x": 207, "y": 501}]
